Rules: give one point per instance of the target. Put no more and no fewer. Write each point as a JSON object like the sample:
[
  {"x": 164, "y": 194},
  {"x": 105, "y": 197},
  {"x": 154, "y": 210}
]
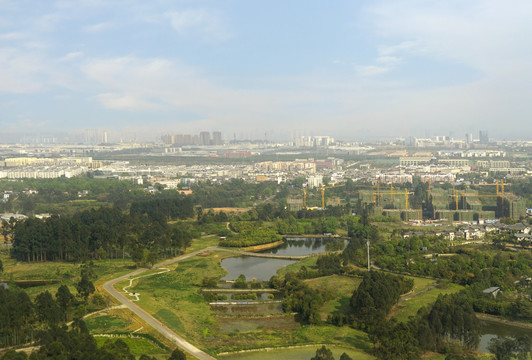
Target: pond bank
[
  {"x": 500, "y": 320},
  {"x": 262, "y": 247}
]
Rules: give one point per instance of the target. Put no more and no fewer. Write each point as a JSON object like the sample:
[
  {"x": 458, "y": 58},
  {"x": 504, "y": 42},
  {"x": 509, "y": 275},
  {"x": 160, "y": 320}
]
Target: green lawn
[
  {"x": 138, "y": 346},
  {"x": 107, "y": 324},
  {"x": 410, "y": 307},
  {"x": 309, "y": 262},
  {"x": 303, "y": 353},
  {"x": 340, "y": 288}
]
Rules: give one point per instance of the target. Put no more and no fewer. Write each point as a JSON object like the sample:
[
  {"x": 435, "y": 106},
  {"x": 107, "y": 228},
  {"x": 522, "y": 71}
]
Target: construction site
[{"x": 442, "y": 201}]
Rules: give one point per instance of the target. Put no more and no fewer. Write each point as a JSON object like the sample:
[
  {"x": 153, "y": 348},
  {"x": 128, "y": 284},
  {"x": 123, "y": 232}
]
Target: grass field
[
  {"x": 304, "y": 353},
  {"x": 138, "y": 346},
  {"x": 410, "y": 307},
  {"x": 107, "y": 324},
  {"x": 340, "y": 289},
  {"x": 421, "y": 283},
  {"x": 309, "y": 262}
]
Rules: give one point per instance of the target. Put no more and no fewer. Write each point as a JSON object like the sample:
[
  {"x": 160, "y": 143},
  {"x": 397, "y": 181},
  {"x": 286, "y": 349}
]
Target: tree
[
  {"x": 177, "y": 354},
  {"x": 85, "y": 287},
  {"x": 47, "y": 309},
  {"x": 344, "y": 356},
  {"x": 64, "y": 297},
  {"x": 1, "y": 266},
  {"x": 116, "y": 349},
  {"x": 323, "y": 354},
  {"x": 13, "y": 355},
  {"x": 506, "y": 349}
]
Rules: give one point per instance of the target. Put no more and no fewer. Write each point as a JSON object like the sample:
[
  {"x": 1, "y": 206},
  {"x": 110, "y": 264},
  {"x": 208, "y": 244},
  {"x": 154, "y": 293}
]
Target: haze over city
[{"x": 271, "y": 70}]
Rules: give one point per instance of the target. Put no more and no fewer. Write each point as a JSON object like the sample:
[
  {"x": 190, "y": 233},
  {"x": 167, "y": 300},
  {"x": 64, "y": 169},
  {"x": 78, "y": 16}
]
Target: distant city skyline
[{"x": 267, "y": 70}]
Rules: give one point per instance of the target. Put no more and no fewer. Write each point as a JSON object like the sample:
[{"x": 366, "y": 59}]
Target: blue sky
[{"x": 349, "y": 69}]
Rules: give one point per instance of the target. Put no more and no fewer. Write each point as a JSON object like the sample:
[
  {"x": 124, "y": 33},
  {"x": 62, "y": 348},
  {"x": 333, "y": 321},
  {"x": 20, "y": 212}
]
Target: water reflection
[
  {"x": 302, "y": 246},
  {"x": 490, "y": 330},
  {"x": 252, "y": 267}
]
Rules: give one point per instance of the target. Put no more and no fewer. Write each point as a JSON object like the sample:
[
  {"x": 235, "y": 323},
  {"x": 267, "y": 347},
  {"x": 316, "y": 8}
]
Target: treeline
[
  {"x": 164, "y": 207},
  {"x": 95, "y": 234},
  {"x": 234, "y": 193}
]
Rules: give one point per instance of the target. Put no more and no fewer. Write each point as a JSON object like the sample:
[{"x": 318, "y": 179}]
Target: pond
[
  {"x": 491, "y": 329},
  {"x": 263, "y": 269},
  {"x": 251, "y": 267},
  {"x": 302, "y": 246}
]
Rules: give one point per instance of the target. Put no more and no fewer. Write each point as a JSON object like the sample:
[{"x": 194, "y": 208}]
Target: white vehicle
[{"x": 529, "y": 212}]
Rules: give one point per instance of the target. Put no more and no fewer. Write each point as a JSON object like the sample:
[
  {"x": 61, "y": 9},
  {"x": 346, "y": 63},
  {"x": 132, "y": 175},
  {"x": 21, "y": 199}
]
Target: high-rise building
[
  {"x": 205, "y": 138},
  {"x": 217, "y": 138},
  {"x": 469, "y": 138},
  {"x": 483, "y": 137}
]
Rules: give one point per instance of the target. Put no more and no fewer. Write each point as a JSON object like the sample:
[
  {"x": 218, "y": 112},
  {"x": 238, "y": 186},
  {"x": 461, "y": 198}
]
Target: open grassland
[
  {"x": 107, "y": 324},
  {"x": 303, "y": 353},
  {"x": 309, "y": 263},
  {"x": 410, "y": 307},
  {"x": 138, "y": 346},
  {"x": 421, "y": 283},
  {"x": 339, "y": 288}
]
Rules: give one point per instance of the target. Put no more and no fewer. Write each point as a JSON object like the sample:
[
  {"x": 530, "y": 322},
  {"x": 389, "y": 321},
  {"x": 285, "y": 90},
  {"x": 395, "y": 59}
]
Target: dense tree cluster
[
  {"x": 299, "y": 298},
  {"x": 507, "y": 349},
  {"x": 450, "y": 322},
  {"x": 234, "y": 193},
  {"x": 93, "y": 234},
  {"x": 376, "y": 295},
  {"x": 329, "y": 264},
  {"x": 163, "y": 207},
  {"x": 250, "y": 234}
]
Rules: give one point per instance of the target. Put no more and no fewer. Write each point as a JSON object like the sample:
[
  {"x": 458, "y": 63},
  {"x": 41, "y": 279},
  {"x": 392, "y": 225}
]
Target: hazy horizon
[{"x": 274, "y": 70}]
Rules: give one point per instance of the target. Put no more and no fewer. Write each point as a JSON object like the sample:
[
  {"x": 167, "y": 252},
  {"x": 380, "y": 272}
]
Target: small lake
[
  {"x": 490, "y": 330},
  {"x": 302, "y": 246},
  {"x": 261, "y": 269}
]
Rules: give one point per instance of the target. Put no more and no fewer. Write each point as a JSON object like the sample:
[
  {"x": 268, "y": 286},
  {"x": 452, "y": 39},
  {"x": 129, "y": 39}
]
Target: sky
[{"x": 270, "y": 70}]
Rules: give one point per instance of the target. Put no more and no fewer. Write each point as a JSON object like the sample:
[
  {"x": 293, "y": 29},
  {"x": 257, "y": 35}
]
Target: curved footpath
[{"x": 157, "y": 325}]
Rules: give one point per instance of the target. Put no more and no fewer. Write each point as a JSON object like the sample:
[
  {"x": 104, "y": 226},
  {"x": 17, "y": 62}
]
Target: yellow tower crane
[
  {"x": 392, "y": 194},
  {"x": 322, "y": 188}
]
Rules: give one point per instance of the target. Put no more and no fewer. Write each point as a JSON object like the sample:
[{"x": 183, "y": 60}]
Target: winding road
[{"x": 157, "y": 325}]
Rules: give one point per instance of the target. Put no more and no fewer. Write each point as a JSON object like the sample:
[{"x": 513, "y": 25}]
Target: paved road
[{"x": 157, "y": 325}]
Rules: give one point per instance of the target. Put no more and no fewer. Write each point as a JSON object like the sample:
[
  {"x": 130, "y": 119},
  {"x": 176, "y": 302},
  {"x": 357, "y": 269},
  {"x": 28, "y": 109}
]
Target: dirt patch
[{"x": 230, "y": 209}]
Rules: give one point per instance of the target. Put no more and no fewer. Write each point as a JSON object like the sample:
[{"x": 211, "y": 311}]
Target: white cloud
[
  {"x": 388, "y": 60},
  {"x": 95, "y": 28},
  {"x": 203, "y": 21},
  {"x": 125, "y": 102},
  {"x": 71, "y": 56},
  {"x": 19, "y": 71},
  {"x": 371, "y": 70},
  {"x": 12, "y": 36}
]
